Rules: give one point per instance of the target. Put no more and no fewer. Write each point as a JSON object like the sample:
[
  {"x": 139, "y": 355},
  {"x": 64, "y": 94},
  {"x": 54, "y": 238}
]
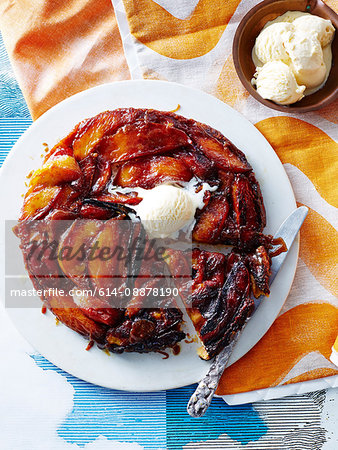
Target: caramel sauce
[
  {"x": 191, "y": 339},
  {"x": 44, "y": 309},
  {"x": 176, "y": 349},
  {"x": 90, "y": 345},
  {"x": 166, "y": 355},
  {"x": 57, "y": 321},
  {"x": 281, "y": 249},
  {"x": 176, "y": 109}
]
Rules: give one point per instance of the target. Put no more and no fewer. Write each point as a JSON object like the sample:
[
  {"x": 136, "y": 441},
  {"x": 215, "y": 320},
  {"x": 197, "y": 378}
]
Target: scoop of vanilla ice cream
[
  {"x": 165, "y": 209},
  {"x": 313, "y": 24},
  {"x": 275, "y": 81},
  {"x": 269, "y": 45},
  {"x": 289, "y": 16},
  {"x": 307, "y": 60}
]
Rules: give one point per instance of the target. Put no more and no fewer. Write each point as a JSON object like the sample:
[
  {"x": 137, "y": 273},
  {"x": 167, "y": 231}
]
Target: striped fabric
[{"x": 10, "y": 131}]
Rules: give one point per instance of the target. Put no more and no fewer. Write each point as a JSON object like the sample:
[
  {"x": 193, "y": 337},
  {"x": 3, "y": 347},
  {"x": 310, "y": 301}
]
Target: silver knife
[{"x": 201, "y": 398}]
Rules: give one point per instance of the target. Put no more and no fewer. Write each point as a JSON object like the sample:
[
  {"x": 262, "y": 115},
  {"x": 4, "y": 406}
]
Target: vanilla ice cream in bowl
[{"x": 284, "y": 53}]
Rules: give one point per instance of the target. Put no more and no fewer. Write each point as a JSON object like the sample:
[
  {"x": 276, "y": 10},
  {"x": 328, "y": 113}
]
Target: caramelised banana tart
[{"x": 120, "y": 180}]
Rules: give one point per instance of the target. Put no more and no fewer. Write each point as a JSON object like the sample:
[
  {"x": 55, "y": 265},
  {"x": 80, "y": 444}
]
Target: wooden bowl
[{"x": 250, "y": 27}]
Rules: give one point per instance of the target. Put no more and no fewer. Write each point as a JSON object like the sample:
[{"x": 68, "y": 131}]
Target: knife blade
[{"x": 201, "y": 398}]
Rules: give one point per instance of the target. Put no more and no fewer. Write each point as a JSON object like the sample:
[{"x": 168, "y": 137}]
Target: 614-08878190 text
[{"x": 115, "y": 292}]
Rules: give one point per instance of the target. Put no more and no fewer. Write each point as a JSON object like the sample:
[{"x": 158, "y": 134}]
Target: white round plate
[{"x": 144, "y": 372}]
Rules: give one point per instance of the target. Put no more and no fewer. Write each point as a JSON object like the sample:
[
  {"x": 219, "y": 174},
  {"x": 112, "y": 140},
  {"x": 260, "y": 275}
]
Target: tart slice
[{"x": 218, "y": 298}]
